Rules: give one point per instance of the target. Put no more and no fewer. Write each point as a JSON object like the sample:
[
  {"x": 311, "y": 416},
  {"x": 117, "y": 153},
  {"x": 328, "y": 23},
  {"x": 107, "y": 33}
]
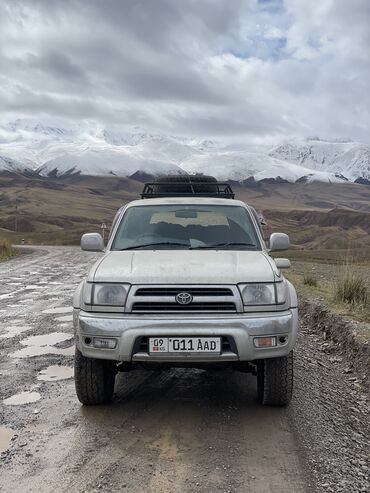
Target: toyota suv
[{"x": 185, "y": 280}]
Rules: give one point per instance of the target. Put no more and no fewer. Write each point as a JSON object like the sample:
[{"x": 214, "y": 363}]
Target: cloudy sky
[{"x": 238, "y": 69}]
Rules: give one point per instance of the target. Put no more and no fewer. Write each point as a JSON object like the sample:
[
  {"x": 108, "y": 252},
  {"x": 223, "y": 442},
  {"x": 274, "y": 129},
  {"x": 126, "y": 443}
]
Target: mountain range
[{"x": 35, "y": 148}]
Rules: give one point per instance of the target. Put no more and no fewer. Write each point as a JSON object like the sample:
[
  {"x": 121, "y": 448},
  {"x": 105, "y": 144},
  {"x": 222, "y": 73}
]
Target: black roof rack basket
[{"x": 187, "y": 186}]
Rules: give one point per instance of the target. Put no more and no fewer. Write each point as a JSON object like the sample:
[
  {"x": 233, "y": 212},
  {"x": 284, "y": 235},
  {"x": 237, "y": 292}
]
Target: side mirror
[
  {"x": 92, "y": 242},
  {"x": 279, "y": 241},
  {"x": 282, "y": 263}
]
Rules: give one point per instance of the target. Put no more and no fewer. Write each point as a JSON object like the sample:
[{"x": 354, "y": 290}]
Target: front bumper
[{"x": 239, "y": 328}]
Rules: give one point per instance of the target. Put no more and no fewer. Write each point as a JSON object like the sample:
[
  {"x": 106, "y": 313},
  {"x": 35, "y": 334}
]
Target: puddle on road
[
  {"x": 28, "y": 296},
  {"x": 44, "y": 344},
  {"x": 46, "y": 339},
  {"x": 7, "y": 295},
  {"x": 6, "y": 435},
  {"x": 64, "y": 326},
  {"x": 22, "y": 398},
  {"x": 66, "y": 318},
  {"x": 29, "y": 352},
  {"x": 61, "y": 309},
  {"x": 14, "y": 331},
  {"x": 54, "y": 373}
]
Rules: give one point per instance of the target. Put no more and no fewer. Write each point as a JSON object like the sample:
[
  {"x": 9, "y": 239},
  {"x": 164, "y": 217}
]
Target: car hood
[{"x": 184, "y": 267}]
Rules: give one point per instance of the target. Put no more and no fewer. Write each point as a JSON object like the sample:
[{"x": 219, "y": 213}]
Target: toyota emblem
[{"x": 184, "y": 298}]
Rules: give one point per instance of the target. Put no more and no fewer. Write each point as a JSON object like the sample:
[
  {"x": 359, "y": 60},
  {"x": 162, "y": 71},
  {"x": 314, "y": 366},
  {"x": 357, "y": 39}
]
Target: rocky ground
[
  {"x": 330, "y": 411},
  {"x": 174, "y": 431}
]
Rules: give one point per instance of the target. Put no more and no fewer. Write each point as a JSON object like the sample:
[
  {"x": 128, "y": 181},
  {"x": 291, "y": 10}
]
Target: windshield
[{"x": 186, "y": 227}]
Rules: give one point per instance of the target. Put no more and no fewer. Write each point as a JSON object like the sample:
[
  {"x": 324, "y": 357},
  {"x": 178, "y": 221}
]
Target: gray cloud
[
  {"x": 57, "y": 65},
  {"x": 241, "y": 69}
]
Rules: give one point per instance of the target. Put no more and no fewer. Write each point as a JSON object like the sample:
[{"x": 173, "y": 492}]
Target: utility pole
[{"x": 16, "y": 218}]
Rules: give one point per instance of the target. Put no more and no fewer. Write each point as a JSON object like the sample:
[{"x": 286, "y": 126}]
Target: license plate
[{"x": 158, "y": 345}]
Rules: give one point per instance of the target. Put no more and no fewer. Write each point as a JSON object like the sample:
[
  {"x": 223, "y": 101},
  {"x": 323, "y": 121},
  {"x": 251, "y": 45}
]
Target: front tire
[
  {"x": 94, "y": 379},
  {"x": 275, "y": 380}
]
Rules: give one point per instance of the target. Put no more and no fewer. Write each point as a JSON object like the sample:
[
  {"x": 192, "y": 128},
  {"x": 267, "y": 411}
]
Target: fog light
[
  {"x": 263, "y": 342},
  {"x": 105, "y": 343}
]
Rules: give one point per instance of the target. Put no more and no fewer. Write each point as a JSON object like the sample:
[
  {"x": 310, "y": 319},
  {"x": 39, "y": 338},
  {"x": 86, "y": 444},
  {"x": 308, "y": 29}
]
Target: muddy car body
[{"x": 185, "y": 281}]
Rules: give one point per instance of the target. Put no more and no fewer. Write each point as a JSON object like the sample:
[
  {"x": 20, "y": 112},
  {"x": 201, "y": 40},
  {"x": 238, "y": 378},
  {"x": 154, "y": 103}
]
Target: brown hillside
[{"x": 318, "y": 216}]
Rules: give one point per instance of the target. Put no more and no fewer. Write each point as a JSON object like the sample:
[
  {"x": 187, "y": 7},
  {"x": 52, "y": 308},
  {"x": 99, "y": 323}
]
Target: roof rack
[{"x": 189, "y": 188}]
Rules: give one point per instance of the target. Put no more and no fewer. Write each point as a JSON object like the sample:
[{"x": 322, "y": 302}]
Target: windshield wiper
[
  {"x": 172, "y": 243},
  {"x": 199, "y": 247},
  {"x": 223, "y": 245}
]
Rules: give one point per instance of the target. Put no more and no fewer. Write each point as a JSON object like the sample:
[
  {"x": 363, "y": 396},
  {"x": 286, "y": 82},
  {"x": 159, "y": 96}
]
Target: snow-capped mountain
[
  {"x": 91, "y": 150},
  {"x": 350, "y": 159},
  {"x": 9, "y": 164},
  {"x": 239, "y": 165}
]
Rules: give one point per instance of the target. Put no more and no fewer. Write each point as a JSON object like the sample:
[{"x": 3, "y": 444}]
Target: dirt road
[{"x": 175, "y": 431}]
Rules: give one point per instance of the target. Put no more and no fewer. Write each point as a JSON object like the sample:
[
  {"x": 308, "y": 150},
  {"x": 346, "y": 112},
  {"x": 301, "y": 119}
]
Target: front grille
[
  {"x": 150, "y": 307},
  {"x": 205, "y": 299},
  {"x": 207, "y": 291}
]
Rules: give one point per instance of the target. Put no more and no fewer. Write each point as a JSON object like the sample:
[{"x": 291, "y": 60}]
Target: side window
[{"x": 258, "y": 221}]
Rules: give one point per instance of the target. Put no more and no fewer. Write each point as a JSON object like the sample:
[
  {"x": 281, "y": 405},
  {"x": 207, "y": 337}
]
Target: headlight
[
  {"x": 263, "y": 294},
  {"x": 106, "y": 294},
  {"x": 258, "y": 294}
]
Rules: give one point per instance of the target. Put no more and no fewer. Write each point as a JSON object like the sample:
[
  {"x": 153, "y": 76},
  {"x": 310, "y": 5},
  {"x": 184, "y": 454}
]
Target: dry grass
[
  {"x": 343, "y": 288},
  {"x": 309, "y": 279},
  {"x": 351, "y": 288},
  {"x": 6, "y": 250},
  {"x": 361, "y": 254}
]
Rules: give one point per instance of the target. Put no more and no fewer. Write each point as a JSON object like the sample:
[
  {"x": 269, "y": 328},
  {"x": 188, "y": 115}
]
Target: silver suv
[{"x": 185, "y": 280}]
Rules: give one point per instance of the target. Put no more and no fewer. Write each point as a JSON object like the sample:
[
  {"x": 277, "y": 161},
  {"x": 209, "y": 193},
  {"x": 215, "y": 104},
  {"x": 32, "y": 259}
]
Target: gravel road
[{"x": 175, "y": 431}]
